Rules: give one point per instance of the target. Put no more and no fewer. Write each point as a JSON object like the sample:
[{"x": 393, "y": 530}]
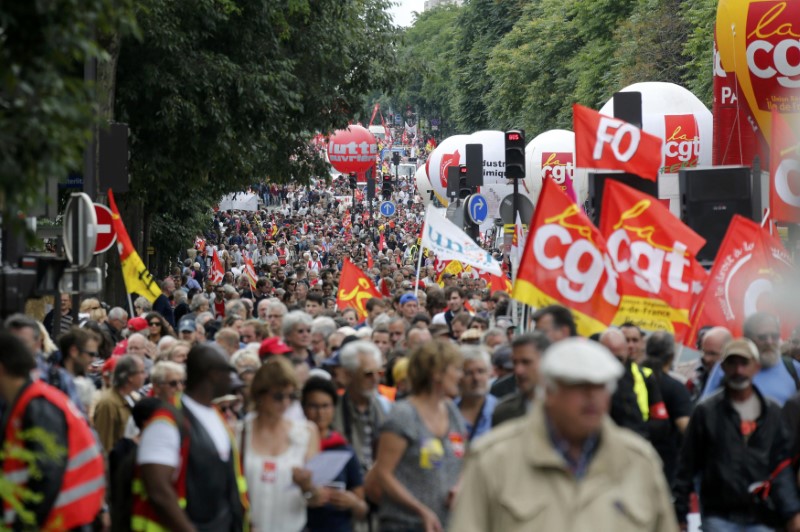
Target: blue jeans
[{"x": 718, "y": 524}]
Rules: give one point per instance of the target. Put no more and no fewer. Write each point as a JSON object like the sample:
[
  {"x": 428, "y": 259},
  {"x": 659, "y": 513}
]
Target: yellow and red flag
[
  {"x": 653, "y": 253},
  {"x": 565, "y": 262},
  {"x": 496, "y": 283},
  {"x": 355, "y": 288},
  {"x": 250, "y": 272},
  {"x": 138, "y": 279},
  {"x": 752, "y": 272}
]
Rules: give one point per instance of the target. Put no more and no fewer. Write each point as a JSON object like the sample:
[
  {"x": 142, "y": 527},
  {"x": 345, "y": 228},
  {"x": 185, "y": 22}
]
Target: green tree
[
  {"x": 46, "y": 109},
  {"x": 701, "y": 16}
]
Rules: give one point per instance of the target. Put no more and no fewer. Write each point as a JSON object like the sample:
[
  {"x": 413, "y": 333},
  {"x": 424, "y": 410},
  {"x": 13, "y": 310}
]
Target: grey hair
[
  {"x": 179, "y": 297},
  {"x": 381, "y": 321},
  {"x": 323, "y": 325},
  {"x": 160, "y": 371},
  {"x": 203, "y": 318},
  {"x": 494, "y": 331},
  {"x": 127, "y": 365},
  {"x": 475, "y": 352},
  {"x": 143, "y": 304},
  {"x": 295, "y": 318},
  {"x": 351, "y": 351},
  {"x": 274, "y": 304},
  {"x": 117, "y": 313},
  {"x": 197, "y": 301},
  {"x": 754, "y": 320},
  {"x": 244, "y": 358}
]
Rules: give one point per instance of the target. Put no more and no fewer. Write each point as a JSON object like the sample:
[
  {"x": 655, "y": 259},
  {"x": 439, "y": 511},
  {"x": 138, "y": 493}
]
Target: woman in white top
[{"x": 275, "y": 450}]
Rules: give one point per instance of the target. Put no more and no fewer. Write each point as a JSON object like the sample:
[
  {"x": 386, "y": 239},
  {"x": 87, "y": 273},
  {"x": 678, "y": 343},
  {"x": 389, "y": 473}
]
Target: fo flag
[
  {"x": 565, "y": 262},
  {"x": 784, "y": 172},
  {"x": 653, "y": 253},
  {"x": 606, "y": 143},
  {"x": 217, "y": 272},
  {"x": 355, "y": 288},
  {"x": 138, "y": 279},
  {"x": 750, "y": 274}
]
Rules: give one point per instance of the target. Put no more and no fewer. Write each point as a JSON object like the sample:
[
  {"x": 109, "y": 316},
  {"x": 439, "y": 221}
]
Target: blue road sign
[
  {"x": 388, "y": 208},
  {"x": 478, "y": 208}
]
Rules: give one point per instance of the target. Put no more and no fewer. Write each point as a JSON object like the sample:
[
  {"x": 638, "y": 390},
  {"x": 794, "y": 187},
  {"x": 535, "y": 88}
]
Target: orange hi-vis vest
[
  {"x": 83, "y": 486},
  {"x": 145, "y": 518}
]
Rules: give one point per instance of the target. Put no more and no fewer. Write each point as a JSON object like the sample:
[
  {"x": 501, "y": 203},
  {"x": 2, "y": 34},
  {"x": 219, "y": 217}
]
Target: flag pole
[
  {"x": 130, "y": 305},
  {"x": 419, "y": 265}
]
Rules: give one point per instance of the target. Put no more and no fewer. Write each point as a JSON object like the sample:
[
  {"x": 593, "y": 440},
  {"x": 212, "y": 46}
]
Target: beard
[
  {"x": 737, "y": 383},
  {"x": 770, "y": 357}
]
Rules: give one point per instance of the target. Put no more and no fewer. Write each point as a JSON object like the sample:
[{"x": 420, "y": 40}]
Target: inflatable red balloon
[{"x": 352, "y": 150}]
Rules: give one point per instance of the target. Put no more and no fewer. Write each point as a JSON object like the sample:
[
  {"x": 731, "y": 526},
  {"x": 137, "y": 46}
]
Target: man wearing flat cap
[
  {"x": 565, "y": 465},
  {"x": 737, "y": 444}
]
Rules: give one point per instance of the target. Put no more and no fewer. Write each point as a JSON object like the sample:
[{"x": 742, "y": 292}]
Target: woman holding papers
[
  {"x": 275, "y": 450},
  {"x": 345, "y": 490},
  {"x": 422, "y": 444}
]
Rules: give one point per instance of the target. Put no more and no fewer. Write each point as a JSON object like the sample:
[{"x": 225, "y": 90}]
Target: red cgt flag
[
  {"x": 217, "y": 271},
  {"x": 607, "y": 143},
  {"x": 565, "y": 262},
  {"x": 784, "y": 171},
  {"x": 748, "y": 275},
  {"x": 653, "y": 253},
  {"x": 355, "y": 287}
]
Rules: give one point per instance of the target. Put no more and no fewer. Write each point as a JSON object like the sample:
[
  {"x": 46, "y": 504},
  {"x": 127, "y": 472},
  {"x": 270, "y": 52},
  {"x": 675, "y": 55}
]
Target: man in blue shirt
[
  {"x": 476, "y": 403},
  {"x": 774, "y": 379}
]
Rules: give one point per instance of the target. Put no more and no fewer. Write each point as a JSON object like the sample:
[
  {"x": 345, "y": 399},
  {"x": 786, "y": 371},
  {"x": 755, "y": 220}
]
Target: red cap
[
  {"x": 110, "y": 364},
  {"x": 137, "y": 324},
  {"x": 273, "y": 346}
]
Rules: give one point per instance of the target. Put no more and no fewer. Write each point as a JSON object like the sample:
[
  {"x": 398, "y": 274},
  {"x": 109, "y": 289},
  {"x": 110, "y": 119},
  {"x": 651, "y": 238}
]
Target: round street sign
[
  {"x": 106, "y": 236},
  {"x": 388, "y": 209},
  {"x": 523, "y": 204},
  {"x": 80, "y": 221},
  {"x": 477, "y": 208}
]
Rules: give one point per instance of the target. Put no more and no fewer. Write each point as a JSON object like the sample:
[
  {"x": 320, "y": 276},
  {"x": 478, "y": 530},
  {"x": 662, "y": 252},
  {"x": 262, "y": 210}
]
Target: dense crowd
[{"x": 260, "y": 402}]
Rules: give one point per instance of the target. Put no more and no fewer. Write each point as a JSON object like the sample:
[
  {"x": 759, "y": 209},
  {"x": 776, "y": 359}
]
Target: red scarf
[{"x": 332, "y": 441}]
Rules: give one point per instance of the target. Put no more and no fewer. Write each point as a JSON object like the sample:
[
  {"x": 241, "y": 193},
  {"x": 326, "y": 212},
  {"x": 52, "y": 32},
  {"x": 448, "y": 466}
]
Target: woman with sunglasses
[
  {"x": 168, "y": 380},
  {"x": 157, "y": 327},
  {"x": 275, "y": 449}
]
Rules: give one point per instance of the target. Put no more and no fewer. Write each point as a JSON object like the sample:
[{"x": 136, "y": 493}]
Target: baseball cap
[
  {"x": 502, "y": 357},
  {"x": 273, "y": 346},
  {"x": 137, "y": 324},
  {"x": 742, "y": 347},
  {"x": 579, "y": 360},
  {"x": 187, "y": 325},
  {"x": 405, "y": 298}
]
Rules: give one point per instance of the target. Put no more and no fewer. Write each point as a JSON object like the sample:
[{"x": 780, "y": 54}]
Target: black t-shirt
[{"x": 679, "y": 404}]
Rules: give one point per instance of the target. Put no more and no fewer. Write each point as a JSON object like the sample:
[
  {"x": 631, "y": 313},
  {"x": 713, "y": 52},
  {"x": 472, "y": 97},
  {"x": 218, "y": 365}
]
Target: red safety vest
[
  {"x": 144, "y": 517},
  {"x": 83, "y": 487}
]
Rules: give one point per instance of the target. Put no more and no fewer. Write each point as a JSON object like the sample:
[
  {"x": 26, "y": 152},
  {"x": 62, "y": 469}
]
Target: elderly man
[
  {"x": 297, "y": 335},
  {"x": 777, "y": 377},
  {"x": 566, "y": 466},
  {"x": 168, "y": 380},
  {"x": 359, "y": 413},
  {"x": 415, "y": 337},
  {"x": 227, "y": 339},
  {"x": 526, "y": 353},
  {"x": 253, "y": 331},
  {"x": 273, "y": 313},
  {"x": 713, "y": 343},
  {"x": 113, "y": 408},
  {"x": 321, "y": 328},
  {"x": 162, "y": 304},
  {"x": 475, "y": 403},
  {"x": 736, "y": 442},
  {"x": 116, "y": 322}
]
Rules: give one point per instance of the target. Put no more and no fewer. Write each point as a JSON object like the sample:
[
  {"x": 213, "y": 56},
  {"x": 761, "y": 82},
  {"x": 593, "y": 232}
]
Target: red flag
[
  {"x": 747, "y": 276},
  {"x": 217, "y": 272},
  {"x": 565, "y": 262},
  {"x": 370, "y": 261},
  {"x": 496, "y": 283},
  {"x": 381, "y": 242},
  {"x": 607, "y": 143},
  {"x": 654, "y": 254},
  {"x": 784, "y": 171},
  {"x": 250, "y": 271},
  {"x": 355, "y": 287}
]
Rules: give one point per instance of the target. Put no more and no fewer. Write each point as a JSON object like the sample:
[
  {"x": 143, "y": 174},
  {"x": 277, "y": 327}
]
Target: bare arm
[
  {"x": 391, "y": 448},
  {"x": 682, "y": 423},
  {"x": 158, "y": 484}
]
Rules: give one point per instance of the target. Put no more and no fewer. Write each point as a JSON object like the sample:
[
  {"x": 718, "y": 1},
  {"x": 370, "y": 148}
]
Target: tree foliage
[
  {"x": 220, "y": 94},
  {"x": 523, "y": 64},
  {"x": 46, "y": 109}
]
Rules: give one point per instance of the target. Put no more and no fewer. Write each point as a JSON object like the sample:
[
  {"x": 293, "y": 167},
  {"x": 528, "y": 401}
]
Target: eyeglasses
[
  {"x": 274, "y": 316},
  {"x": 301, "y": 331},
  {"x": 279, "y": 397},
  {"x": 768, "y": 336},
  {"x": 373, "y": 374}
]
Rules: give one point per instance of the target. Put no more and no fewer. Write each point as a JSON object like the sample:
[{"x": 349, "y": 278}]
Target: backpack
[{"x": 789, "y": 363}]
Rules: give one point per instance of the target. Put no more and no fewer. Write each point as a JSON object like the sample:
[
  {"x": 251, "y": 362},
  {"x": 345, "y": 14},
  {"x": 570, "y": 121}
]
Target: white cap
[{"x": 578, "y": 360}]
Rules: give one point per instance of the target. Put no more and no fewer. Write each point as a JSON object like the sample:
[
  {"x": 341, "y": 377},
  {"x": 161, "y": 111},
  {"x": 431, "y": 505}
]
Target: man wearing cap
[
  {"x": 409, "y": 306},
  {"x": 187, "y": 329},
  {"x": 566, "y": 465},
  {"x": 736, "y": 441},
  {"x": 526, "y": 352},
  {"x": 504, "y": 383}
]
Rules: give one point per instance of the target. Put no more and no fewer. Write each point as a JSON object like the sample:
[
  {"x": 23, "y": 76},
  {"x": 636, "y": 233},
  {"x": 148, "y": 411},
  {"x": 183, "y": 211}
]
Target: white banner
[
  {"x": 447, "y": 241},
  {"x": 240, "y": 201}
]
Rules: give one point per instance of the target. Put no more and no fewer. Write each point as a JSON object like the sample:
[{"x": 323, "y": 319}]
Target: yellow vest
[{"x": 640, "y": 388}]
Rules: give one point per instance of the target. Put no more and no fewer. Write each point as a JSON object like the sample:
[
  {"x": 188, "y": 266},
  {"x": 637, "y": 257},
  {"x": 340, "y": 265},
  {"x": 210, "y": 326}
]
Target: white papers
[{"x": 327, "y": 465}]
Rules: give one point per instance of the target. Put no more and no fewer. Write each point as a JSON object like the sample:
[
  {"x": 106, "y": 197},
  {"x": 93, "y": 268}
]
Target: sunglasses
[
  {"x": 225, "y": 409},
  {"x": 175, "y": 383},
  {"x": 92, "y": 354},
  {"x": 279, "y": 397},
  {"x": 155, "y": 323}
]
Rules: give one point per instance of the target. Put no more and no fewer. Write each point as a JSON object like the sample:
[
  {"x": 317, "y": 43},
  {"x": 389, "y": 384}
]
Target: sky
[{"x": 402, "y": 11}]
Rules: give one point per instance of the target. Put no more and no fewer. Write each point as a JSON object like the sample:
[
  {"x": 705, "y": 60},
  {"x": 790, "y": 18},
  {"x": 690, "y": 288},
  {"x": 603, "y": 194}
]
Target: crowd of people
[{"x": 228, "y": 405}]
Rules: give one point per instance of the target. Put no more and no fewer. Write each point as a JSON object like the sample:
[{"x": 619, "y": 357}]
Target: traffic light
[
  {"x": 352, "y": 180},
  {"x": 386, "y": 189},
  {"x": 396, "y": 158},
  {"x": 515, "y": 154},
  {"x": 464, "y": 189},
  {"x": 371, "y": 183}
]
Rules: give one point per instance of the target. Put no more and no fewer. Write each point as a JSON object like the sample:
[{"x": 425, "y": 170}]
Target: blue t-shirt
[
  {"x": 328, "y": 518},
  {"x": 775, "y": 383},
  {"x": 484, "y": 422}
]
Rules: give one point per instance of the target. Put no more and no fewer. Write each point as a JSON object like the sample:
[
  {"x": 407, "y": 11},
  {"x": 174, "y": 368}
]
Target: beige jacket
[{"x": 515, "y": 480}]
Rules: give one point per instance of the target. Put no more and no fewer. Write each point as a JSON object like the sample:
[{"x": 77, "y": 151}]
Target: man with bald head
[
  {"x": 711, "y": 345},
  {"x": 416, "y": 337}
]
